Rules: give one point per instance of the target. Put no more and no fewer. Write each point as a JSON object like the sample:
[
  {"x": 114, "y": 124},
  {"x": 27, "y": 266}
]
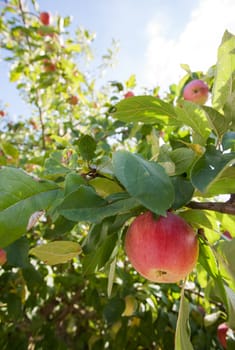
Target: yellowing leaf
[
  {"x": 105, "y": 187},
  {"x": 56, "y": 252}
]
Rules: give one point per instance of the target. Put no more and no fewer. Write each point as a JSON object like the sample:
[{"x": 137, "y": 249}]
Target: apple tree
[{"x": 78, "y": 172}]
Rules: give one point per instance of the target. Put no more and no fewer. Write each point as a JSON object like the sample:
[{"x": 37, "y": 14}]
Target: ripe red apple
[
  {"x": 3, "y": 257},
  {"x": 45, "y": 18},
  {"x": 163, "y": 249},
  {"x": 128, "y": 94},
  {"x": 73, "y": 100},
  {"x": 221, "y": 334},
  {"x": 2, "y": 113},
  {"x": 49, "y": 66},
  {"x": 196, "y": 91}
]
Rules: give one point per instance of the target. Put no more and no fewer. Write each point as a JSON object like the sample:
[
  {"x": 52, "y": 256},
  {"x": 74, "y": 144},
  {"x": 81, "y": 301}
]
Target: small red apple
[
  {"x": 3, "y": 257},
  {"x": 128, "y": 94},
  {"x": 163, "y": 249},
  {"x": 227, "y": 235},
  {"x": 49, "y": 66},
  {"x": 196, "y": 91},
  {"x": 221, "y": 334},
  {"x": 73, "y": 100},
  {"x": 2, "y": 114},
  {"x": 45, "y": 18}
]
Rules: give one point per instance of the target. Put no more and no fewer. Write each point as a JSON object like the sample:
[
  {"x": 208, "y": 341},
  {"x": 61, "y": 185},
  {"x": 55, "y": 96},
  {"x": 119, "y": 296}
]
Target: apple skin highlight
[{"x": 163, "y": 250}]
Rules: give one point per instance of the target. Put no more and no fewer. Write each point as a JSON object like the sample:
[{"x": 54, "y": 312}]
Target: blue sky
[{"x": 155, "y": 36}]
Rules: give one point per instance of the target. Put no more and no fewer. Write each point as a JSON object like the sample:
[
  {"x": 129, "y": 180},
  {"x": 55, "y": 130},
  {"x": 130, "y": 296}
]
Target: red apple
[
  {"x": 45, "y": 18},
  {"x": 163, "y": 249},
  {"x": 3, "y": 257},
  {"x": 2, "y": 113},
  {"x": 227, "y": 235},
  {"x": 221, "y": 334},
  {"x": 49, "y": 66},
  {"x": 129, "y": 94},
  {"x": 73, "y": 100},
  {"x": 196, "y": 91}
]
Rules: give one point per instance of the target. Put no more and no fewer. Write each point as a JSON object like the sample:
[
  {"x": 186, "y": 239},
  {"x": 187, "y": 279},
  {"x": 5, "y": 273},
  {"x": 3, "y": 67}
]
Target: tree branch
[{"x": 222, "y": 207}]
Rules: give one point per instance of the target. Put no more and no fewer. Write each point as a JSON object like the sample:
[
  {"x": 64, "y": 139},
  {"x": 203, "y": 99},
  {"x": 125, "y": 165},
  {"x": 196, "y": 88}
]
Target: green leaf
[
  {"x": 194, "y": 116},
  {"x": 20, "y": 196},
  {"x": 131, "y": 82},
  {"x": 85, "y": 205},
  {"x": 54, "y": 167},
  {"x": 231, "y": 306},
  {"x": 227, "y": 249},
  {"x": 56, "y": 252},
  {"x": 183, "y": 191},
  {"x": 217, "y": 121},
  {"x": 182, "y": 335},
  {"x": 207, "y": 259},
  {"x": 17, "y": 253},
  {"x": 209, "y": 167},
  {"x": 111, "y": 276},
  {"x": 104, "y": 187},
  {"x": 100, "y": 256},
  {"x": 144, "y": 180},
  {"x": 146, "y": 109},
  {"x": 114, "y": 309},
  {"x": 224, "y": 184},
  {"x": 87, "y": 147},
  {"x": 14, "y": 306},
  {"x": 228, "y": 140},
  {"x": 183, "y": 158},
  {"x": 99, "y": 232},
  {"x": 72, "y": 182},
  {"x": 225, "y": 68},
  {"x": 9, "y": 149}
]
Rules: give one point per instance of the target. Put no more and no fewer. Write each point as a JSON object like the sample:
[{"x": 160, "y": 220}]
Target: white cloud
[{"x": 196, "y": 45}]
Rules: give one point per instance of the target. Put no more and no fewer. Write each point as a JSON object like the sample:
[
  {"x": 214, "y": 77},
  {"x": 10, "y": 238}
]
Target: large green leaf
[
  {"x": 104, "y": 187},
  {"x": 20, "y": 196},
  {"x": 182, "y": 335},
  {"x": 183, "y": 191},
  {"x": 207, "y": 259},
  {"x": 96, "y": 259},
  {"x": 224, "y": 184},
  {"x": 210, "y": 167},
  {"x": 146, "y": 109},
  {"x": 56, "y": 252},
  {"x": 225, "y": 69},
  {"x": 87, "y": 147},
  {"x": 227, "y": 249},
  {"x": 231, "y": 306},
  {"x": 17, "y": 253},
  {"x": 183, "y": 158},
  {"x": 194, "y": 116},
  {"x": 144, "y": 180},
  {"x": 85, "y": 205},
  {"x": 216, "y": 120}
]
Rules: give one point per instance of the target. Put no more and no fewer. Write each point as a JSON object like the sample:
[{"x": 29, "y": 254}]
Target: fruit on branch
[
  {"x": 196, "y": 91},
  {"x": 163, "y": 249},
  {"x": 2, "y": 114},
  {"x": 45, "y": 18},
  {"x": 221, "y": 334},
  {"x": 73, "y": 100},
  {"x": 3, "y": 257},
  {"x": 128, "y": 94},
  {"x": 49, "y": 66}
]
